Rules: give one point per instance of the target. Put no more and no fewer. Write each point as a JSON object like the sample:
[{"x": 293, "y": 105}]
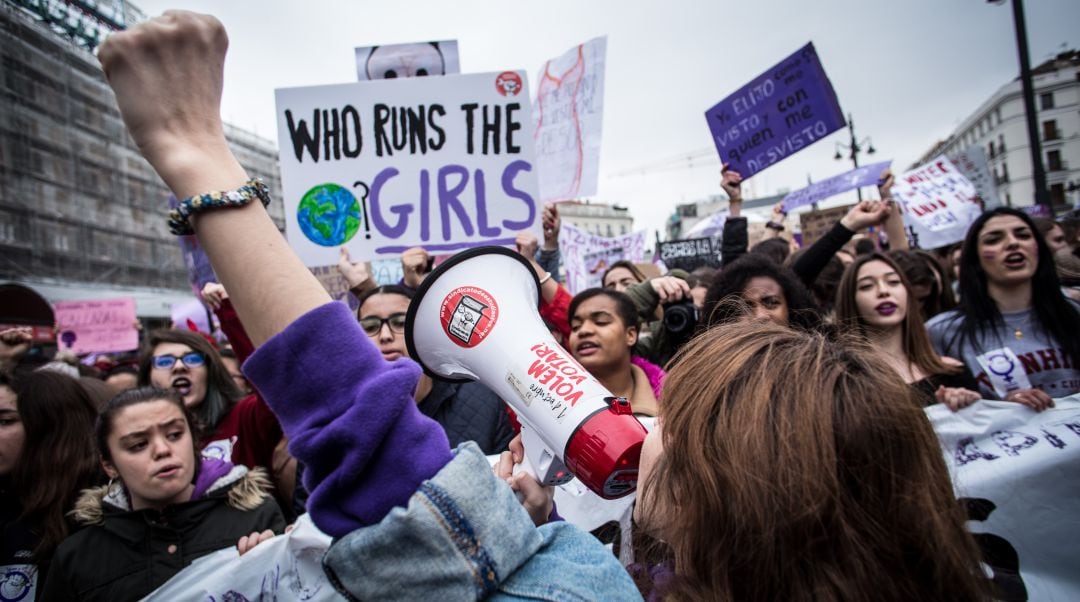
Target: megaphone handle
[{"x": 540, "y": 461}]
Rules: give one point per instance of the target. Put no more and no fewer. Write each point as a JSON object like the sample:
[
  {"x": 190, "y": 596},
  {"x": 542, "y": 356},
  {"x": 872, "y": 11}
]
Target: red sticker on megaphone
[{"x": 468, "y": 314}]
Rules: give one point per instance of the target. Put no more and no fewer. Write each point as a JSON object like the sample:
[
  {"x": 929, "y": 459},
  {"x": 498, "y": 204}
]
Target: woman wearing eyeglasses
[
  {"x": 228, "y": 425},
  {"x": 466, "y": 411}
]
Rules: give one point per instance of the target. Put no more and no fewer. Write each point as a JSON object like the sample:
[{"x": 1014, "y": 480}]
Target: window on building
[
  {"x": 622, "y": 229},
  {"x": 991, "y": 150},
  {"x": 1008, "y": 200},
  {"x": 1057, "y": 194},
  {"x": 1001, "y": 144},
  {"x": 1050, "y": 131},
  {"x": 997, "y": 112},
  {"x": 1004, "y": 172},
  {"x": 609, "y": 233},
  {"x": 1053, "y": 161},
  {"x": 1046, "y": 101}
]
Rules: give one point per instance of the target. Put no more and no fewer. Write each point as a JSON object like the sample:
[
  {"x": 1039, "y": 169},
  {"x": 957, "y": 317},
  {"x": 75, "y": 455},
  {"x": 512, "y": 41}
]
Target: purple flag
[
  {"x": 780, "y": 112},
  {"x": 867, "y": 175}
]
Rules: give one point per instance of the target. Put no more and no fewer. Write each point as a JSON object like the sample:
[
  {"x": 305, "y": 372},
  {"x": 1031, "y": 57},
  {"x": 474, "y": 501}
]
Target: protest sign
[
  {"x": 387, "y": 271},
  {"x": 1037, "y": 211},
  {"x": 938, "y": 203},
  {"x": 199, "y": 270},
  {"x": 690, "y": 254},
  {"x": 286, "y": 567},
  {"x": 1017, "y": 472},
  {"x": 420, "y": 59},
  {"x": 98, "y": 325},
  {"x": 567, "y": 116},
  {"x": 335, "y": 284},
  {"x": 191, "y": 313},
  {"x": 586, "y": 256},
  {"x": 972, "y": 163},
  {"x": 815, "y": 224},
  {"x": 867, "y": 175},
  {"x": 777, "y": 114},
  {"x": 445, "y": 163}
]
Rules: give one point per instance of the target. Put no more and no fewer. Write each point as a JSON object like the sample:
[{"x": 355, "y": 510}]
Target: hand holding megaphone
[{"x": 475, "y": 318}]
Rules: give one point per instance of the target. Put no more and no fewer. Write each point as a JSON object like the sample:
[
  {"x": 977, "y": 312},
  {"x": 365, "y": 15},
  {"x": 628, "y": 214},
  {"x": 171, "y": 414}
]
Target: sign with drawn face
[
  {"x": 420, "y": 59},
  {"x": 568, "y": 113},
  {"x": 777, "y": 114},
  {"x": 444, "y": 163}
]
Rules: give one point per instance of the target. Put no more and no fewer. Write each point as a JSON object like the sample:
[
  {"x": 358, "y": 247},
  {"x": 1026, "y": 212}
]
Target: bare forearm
[{"x": 267, "y": 283}]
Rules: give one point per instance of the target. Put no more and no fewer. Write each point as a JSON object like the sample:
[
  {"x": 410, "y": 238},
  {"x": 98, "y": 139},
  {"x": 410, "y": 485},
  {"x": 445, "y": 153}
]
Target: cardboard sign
[
  {"x": 567, "y": 116},
  {"x": 445, "y": 163},
  {"x": 690, "y": 254},
  {"x": 1017, "y": 472},
  {"x": 867, "y": 175},
  {"x": 938, "y": 203},
  {"x": 586, "y": 256},
  {"x": 98, "y": 325},
  {"x": 816, "y": 224},
  {"x": 972, "y": 163},
  {"x": 335, "y": 284},
  {"x": 420, "y": 59},
  {"x": 777, "y": 114}
]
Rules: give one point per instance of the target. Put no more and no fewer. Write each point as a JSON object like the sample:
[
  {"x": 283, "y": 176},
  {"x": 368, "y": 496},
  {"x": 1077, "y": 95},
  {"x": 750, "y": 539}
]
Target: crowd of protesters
[{"x": 789, "y": 455}]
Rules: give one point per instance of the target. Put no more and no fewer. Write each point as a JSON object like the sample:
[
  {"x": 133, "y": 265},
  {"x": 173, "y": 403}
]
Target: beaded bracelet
[{"x": 179, "y": 218}]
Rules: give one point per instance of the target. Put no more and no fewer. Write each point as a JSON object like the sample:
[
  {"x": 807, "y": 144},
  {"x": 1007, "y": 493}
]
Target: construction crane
[{"x": 702, "y": 157}]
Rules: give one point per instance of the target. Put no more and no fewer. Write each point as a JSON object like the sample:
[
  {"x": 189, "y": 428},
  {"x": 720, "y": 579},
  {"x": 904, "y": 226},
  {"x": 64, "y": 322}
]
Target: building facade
[
  {"x": 82, "y": 214},
  {"x": 999, "y": 126},
  {"x": 596, "y": 218}
]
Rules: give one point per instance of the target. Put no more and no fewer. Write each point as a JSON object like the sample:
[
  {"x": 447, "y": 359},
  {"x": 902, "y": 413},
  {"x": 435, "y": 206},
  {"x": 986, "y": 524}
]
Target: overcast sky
[{"x": 907, "y": 71}]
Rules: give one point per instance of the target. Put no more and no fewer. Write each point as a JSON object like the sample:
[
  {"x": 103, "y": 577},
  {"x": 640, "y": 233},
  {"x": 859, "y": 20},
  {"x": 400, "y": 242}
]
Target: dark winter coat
[
  {"x": 123, "y": 554},
  {"x": 469, "y": 412}
]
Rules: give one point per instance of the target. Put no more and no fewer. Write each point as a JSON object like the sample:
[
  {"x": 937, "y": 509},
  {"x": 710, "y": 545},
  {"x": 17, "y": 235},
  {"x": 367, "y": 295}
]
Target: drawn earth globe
[{"x": 329, "y": 215}]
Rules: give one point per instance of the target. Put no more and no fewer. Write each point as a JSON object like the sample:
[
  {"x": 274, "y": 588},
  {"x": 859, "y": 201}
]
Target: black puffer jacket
[
  {"x": 469, "y": 412},
  {"x": 123, "y": 554}
]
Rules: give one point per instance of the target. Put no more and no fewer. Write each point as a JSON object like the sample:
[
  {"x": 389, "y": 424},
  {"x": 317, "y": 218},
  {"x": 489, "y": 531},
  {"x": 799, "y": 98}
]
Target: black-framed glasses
[
  {"x": 193, "y": 359},
  {"x": 372, "y": 325}
]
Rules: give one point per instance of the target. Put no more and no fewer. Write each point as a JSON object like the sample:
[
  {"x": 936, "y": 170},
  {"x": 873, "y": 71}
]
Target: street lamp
[
  {"x": 1038, "y": 174},
  {"x": 855, "y": 147}
]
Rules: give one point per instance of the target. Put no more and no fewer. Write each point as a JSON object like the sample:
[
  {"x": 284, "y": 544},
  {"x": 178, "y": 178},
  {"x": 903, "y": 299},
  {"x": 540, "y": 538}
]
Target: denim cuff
[{"x": 462, "y": 533}]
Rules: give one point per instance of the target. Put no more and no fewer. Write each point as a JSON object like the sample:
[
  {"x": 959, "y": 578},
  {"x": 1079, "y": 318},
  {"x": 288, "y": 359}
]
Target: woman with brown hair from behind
[{"x": 832, "y": 488}]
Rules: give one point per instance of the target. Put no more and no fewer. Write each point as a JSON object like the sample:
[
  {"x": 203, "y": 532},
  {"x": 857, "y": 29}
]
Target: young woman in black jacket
[{"x": 162, "y": 509}]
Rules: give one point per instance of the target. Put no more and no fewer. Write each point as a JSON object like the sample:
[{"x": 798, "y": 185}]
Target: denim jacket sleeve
[{"x": 464, "y": 536}]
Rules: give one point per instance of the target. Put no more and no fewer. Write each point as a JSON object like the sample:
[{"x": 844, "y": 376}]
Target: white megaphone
[{"x": 475, "y": 318}]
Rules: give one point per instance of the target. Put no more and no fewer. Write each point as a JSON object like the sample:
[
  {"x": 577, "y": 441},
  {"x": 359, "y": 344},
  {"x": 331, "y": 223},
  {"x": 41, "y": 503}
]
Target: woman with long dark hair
[
  {"x": 163, "y": 508},
  {"x": 755, "y": 287},
  {"x": 876, "y": 301},
  {"x": 229, "y": 425},
  {"x": 42, "y": 477},
  {"x": 1014, "y": 328}
]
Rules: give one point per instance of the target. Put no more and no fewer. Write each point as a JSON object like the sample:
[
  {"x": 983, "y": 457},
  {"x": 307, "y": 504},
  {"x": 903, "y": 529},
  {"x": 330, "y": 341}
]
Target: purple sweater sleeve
[{"x": 350, "y": 417}]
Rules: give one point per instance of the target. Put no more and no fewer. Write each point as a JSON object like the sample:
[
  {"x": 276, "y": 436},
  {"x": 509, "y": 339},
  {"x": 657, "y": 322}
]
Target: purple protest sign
[
  {"x": 777, "y": 114},
  {"x": 198, "y": 264},
  {"x": 867, "y": 175}
]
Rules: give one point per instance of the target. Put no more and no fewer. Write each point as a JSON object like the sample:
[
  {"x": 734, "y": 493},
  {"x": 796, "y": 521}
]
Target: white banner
[
  {"x": 585, "y": 256},
  {"x": 972, "y": 163},
  {"x": 1018, "y": 472},
  {"x": 567, "y": 117},
  {"x": 938, "y": 203},
  {"x": 287, "y": 567},
  {"x": 445, "y": 163}
]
